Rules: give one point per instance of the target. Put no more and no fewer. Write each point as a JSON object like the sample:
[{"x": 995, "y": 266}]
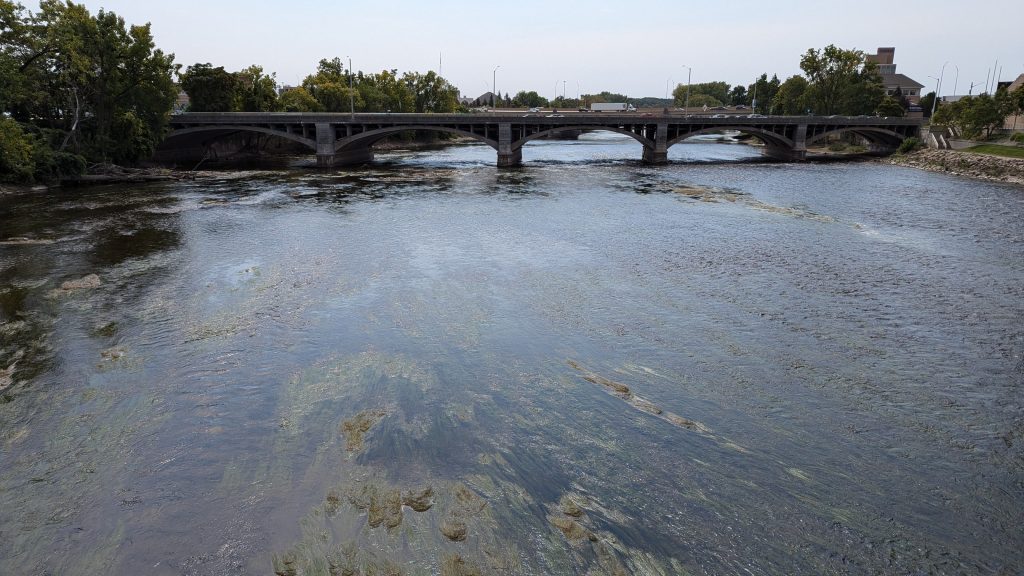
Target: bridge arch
[
  {"x": 371, "y": 137},
  {"x": 768, "y": 137},
  {"x": 228, "y": 128},
  {"x": 544, "y": 133},
  {"x": 870, "y": 133}
]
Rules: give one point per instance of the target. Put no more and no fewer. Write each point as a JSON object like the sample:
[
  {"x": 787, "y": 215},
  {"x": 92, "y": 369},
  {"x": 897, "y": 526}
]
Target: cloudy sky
[{"x": 636, "y": 48}]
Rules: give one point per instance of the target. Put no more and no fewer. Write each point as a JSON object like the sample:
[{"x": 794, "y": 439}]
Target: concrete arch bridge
[{"x": 345, "y": 139}]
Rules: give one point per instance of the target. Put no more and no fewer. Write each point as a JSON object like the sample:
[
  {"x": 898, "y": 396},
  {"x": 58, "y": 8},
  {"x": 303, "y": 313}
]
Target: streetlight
[
  {"x": 942, "y": 75},
  {"x": 686, "y": 104},
  {"x": 351, "y": 92},
  {"x": 494, "y": 85},
  {"x": 956, "y": 78},
  {"x": 563, "y": 89},
  {"x": 936, "y": 99},
  {"x": 971, "y": 90}
]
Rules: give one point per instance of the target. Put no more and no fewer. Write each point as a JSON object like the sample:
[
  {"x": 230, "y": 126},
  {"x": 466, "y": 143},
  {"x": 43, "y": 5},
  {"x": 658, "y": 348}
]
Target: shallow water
[{"x": 596, "y": 367}]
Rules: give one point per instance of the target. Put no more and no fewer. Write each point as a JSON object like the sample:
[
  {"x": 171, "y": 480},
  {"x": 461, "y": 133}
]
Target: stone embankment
[{"x": 982, "y": 166}]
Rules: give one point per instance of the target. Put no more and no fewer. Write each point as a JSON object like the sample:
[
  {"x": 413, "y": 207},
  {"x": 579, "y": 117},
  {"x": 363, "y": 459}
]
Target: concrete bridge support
[
  {"x": 324, "y": 145},
  {"x": 507, "y": 156},
  {"x": 659, "y": 153},
  {"x": 795, "y": 154}
]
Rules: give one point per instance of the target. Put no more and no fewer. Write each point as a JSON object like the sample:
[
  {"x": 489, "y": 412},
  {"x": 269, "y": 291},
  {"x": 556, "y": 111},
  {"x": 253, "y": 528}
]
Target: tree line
[
  {"x": 332, "y": 88},
  {"x": 834, "y": 81},
  {"x": 80, "y": 89}
]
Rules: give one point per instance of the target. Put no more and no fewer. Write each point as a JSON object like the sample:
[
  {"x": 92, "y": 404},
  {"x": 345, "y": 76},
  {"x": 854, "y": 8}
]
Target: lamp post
[
  {"x": 351, "y": 92},
  {"x": 942, "y": 74},
  {"x": 494, "y": 86},
  {"x": 563, "y": 90},
  {"x": 956, "y": 78},
  {"x": 936, "y": 99},
  {"x": 686, "y": 103}
]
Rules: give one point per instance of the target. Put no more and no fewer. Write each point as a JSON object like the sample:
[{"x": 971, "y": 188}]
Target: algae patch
[
  {"x": 637, "y": 402},
  {"x": 356, "y": 427}
]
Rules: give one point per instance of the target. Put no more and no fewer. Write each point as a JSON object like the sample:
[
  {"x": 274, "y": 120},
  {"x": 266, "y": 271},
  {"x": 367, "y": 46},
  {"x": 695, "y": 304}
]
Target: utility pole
[
  {"x": 494, "y": 86},
  {"x": 686, "y": 103},
  {"x": 351, "y": 92}
]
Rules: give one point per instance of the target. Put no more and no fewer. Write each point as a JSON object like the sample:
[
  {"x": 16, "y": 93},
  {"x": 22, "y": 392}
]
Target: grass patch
[{"x": 997, "y": 150}]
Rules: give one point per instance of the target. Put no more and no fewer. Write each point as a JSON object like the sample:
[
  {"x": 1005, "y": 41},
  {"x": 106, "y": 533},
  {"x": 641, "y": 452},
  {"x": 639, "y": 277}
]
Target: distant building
[
  {"x": 1015, "y": 121},
  {"x": 486, "y": 99},
  {"x": 181, "y": 102},
  {"x": 894, "y": 82}
]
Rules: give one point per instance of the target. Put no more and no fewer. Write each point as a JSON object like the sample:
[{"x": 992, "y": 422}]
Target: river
[{"x": 584, "y": 366}]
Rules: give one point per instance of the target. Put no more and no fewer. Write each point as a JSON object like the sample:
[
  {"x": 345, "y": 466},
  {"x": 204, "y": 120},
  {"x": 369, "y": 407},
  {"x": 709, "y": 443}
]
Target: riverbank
[{"x": 960, "y": 163}]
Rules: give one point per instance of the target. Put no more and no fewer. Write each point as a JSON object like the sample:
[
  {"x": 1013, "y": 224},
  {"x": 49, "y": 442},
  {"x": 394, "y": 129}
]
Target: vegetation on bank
[
  {"x": 997, "y": 150},
  {"x": 979, "y": 116},
  {"x": 77, "y": 89}
]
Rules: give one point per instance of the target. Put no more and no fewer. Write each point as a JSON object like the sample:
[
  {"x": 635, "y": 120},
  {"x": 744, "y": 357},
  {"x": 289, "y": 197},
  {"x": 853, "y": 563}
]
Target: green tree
[
  {"x": 926, "y": 103},
  {"x": 605, "y": 97},
  {"x": 432, "y": 93},
  {"x": 738, "y": 96},
  {"x": 385, "y": 91},
  {"x": 17, "y": 162},
  {"x": 889, "y": 106},
  {"x": 700, "y": 100},
  {"x": 255, "y": 91},
  {"x": 330, "y": 87},
  {"x": 529, "y": 100},
  {"x": 717, "y": 91},
  {"x": 209, "y": 89},
  {"x": 764, "y": 90},
  {"x": 790, "y": 98},
  {"x": 298, "y": 100},
  {"x": 841, "y": 81},
  {"x": 75, "y": 82},
  {"x": 975, "y": 116}
]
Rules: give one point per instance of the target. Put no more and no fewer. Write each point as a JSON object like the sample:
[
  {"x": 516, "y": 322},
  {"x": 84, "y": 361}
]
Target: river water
[{"x": 584, "y": 366}]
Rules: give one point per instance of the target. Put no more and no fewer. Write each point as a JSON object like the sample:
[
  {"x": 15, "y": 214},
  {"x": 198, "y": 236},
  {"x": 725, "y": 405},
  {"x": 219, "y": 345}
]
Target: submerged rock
[
  {"x": 455, "y": 565},
  {"x": 572, "y": 529},
  {"x": 7, "y": 376},
  {"x": 453, "y": 529},
  {"x": 87, "y": 283},
  {"x": 419, "y": 500}
]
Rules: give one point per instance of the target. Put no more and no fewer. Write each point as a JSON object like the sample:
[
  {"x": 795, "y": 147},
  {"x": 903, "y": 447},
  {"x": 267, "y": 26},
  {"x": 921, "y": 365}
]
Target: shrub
[
  {"x": 1018, "y": 138},
  {"x": 17, "y": 162},
  {"x": 909, "y": 145},
  {"x": 68, "y": 164}
]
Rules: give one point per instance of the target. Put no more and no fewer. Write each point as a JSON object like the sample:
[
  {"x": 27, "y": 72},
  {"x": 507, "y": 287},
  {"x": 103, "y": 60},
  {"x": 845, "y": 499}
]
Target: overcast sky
[{"x": 636, "y": 48}]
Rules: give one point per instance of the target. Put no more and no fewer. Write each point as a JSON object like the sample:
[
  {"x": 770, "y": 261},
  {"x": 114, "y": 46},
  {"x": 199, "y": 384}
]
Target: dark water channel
[{"x": 586, "y": 366}]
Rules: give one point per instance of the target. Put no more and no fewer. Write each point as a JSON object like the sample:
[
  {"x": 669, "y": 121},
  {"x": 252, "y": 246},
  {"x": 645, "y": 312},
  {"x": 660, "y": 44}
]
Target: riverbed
[{"x": 584, "y": 366}]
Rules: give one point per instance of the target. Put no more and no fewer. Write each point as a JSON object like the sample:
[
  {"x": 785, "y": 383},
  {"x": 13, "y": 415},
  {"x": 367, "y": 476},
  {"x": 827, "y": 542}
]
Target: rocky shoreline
[{"x": 981, "y": 166}]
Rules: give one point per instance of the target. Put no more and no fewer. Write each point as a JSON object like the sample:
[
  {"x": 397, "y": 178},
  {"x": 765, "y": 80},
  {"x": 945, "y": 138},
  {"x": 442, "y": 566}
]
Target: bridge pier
[
  {"x": 655, "y": 156},
  {"x": 508, "y": 157},
  {"x": 659, "y": 153},
  {"x": 785, "y": 154}
]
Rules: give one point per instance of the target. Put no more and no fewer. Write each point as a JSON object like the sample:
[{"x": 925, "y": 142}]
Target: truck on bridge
[{"x": 611, "y": 107}]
